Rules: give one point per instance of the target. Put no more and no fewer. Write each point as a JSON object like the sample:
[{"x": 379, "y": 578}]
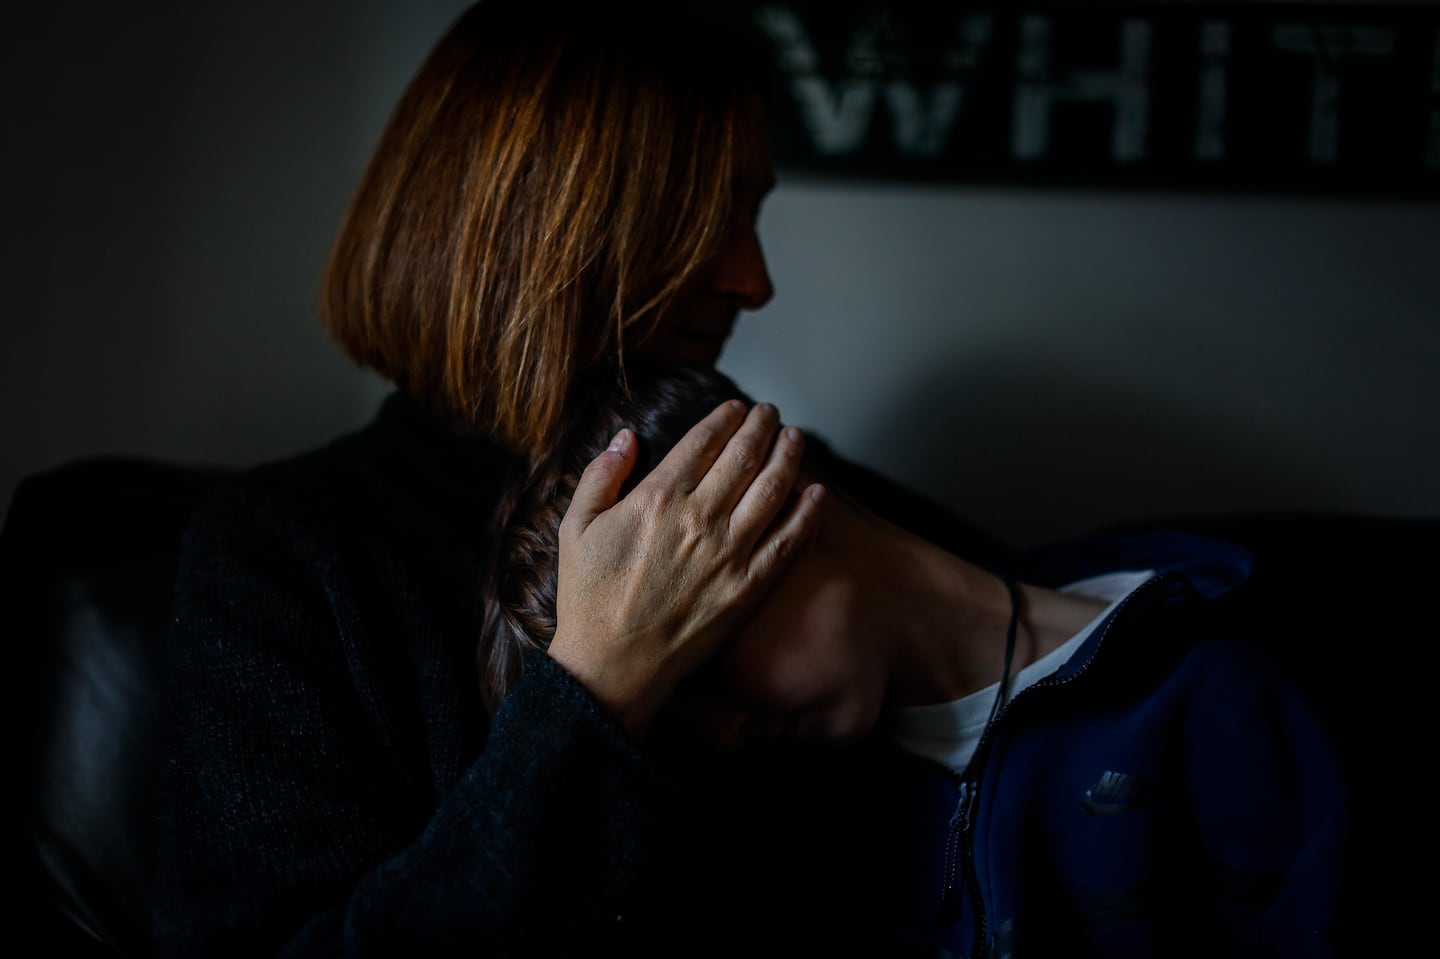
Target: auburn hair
[{"x": 548, "y": 180}]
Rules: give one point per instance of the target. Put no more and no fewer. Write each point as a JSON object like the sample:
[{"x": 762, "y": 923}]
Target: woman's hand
[{"x": 649, "y": 587}]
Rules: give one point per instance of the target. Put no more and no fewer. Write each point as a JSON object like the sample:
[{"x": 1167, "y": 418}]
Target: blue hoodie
[{"x": 1167, "y": 792}]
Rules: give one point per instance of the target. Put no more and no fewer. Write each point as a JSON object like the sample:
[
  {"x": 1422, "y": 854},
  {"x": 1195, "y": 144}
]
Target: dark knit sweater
[{"x": 334, "y": 786}]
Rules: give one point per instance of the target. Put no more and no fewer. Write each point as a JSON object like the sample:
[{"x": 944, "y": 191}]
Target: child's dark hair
[{"x": 660, "y": 403}]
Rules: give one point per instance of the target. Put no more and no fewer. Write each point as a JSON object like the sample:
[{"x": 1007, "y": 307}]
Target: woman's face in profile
[
  {"x": 699, "y": 321},
  {"x": 811, "y": 665}
]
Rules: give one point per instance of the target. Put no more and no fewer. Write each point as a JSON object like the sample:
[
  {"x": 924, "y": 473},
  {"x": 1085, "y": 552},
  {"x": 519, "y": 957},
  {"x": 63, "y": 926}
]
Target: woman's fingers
[
  {"x": 599, "y": 486},
  {"x": 760, "y": 500},
  {"x": 744, "y": 455},
  {"x": 687, "y": 464},
  {"x": 781, "y": 542},
  {"x": 734, "y": 473}
]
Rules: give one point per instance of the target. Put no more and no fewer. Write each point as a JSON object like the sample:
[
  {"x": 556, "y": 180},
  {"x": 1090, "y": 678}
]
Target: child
[{"x": 1076, "y": 758}]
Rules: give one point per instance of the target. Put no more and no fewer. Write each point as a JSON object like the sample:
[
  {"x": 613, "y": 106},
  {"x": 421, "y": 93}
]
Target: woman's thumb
[{"x": 599, "y": 486}]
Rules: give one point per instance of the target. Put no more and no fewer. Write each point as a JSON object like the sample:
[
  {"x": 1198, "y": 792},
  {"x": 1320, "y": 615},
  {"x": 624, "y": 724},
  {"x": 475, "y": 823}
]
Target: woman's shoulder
[{"x": 400, "y": 469}]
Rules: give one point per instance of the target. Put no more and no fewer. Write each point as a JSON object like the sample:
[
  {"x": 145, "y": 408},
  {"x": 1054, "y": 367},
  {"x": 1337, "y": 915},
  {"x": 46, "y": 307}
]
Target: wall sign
[{"x": 1330, "y": 97}]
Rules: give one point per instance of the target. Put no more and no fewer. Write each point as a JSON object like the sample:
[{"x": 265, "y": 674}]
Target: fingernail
[
  {"x": 817, "y": 493},
  {"x": 793, "y": 433},
  {"x": 767, "y": 408},
  {"x": 736, "y": 406},
  {"x": 617, "y": 445}
]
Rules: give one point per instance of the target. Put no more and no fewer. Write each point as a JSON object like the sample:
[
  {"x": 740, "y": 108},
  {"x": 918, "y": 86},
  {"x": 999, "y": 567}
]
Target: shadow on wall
[{"x": 1035, "y": 451}]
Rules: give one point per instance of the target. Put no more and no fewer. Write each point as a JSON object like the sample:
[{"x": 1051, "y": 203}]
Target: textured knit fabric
[
  {"x": 333, "y": 781},
  {"x": 333, "y": 785}
]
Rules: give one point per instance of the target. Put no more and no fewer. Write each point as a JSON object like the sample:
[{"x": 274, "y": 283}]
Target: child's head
[
  {"x": 807, "y": 665},
  {"x": 659, "y": 402}
]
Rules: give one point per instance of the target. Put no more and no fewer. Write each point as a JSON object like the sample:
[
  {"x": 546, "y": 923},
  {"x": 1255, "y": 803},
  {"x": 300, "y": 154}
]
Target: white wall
[
  {"x": 1042, "y": 361},
  {"x": 1046, "y": 361}
]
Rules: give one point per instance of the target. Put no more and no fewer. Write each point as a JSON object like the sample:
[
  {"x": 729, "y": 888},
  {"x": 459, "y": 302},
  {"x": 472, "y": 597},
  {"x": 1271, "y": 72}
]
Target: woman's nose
[{"x": 739, "y": 271}]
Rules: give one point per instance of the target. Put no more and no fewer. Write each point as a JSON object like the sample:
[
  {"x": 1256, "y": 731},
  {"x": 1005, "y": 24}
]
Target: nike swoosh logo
[{"x": 1100, "y": 807}]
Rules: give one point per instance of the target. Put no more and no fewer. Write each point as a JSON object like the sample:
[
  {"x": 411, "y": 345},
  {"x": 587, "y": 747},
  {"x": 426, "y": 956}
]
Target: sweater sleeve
[{"x": 301, "y": 813}]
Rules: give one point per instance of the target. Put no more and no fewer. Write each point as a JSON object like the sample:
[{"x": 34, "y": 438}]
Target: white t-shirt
[{"x": 949, "y": 732}]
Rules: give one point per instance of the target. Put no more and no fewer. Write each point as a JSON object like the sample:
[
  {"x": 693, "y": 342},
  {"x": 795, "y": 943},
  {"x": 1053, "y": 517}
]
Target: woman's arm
[
  {"x": 332, "y": 785},
  {"x": 309, "y": 809}
]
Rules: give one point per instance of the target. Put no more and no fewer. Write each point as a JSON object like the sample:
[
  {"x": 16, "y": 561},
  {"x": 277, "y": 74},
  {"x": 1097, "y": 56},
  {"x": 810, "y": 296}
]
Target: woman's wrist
[{"x": 623, "y": 684}]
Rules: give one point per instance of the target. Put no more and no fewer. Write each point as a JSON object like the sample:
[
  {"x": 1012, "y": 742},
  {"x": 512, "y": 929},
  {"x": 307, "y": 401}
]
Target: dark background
[{"x": 1043, "y": 349}]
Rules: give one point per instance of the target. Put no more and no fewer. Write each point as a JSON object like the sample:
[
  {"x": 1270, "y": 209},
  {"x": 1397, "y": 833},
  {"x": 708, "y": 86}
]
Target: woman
[
  {"x": 560, "y": 185},
  {"x": 1088, "y": 763}
]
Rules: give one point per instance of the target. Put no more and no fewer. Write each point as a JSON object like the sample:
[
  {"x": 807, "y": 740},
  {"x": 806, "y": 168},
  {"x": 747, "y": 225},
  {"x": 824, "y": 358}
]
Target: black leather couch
[{"x": 88, "y": 553}]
